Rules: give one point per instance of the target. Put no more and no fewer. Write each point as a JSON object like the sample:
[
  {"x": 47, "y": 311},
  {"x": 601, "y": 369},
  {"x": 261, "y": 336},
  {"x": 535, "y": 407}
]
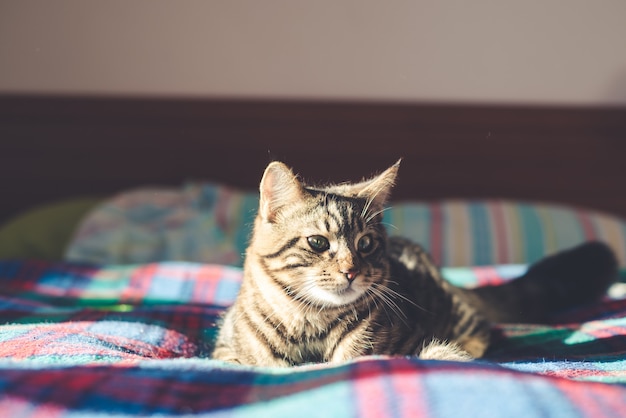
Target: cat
[{"x": 324, "y": 283}]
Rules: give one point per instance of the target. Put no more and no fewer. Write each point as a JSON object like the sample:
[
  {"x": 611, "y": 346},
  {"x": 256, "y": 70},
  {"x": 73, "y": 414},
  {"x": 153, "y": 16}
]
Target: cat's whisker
[
  {"x": 390, "y": 225},
  {"x": 372, "y": 215},
  {"x": 373, "y": 293},
  {"x": 366, "y": 207},
  {"x": 388, "y": 301},
  {"x": 380, "y": 291},
  {"x": 401, "y": 296},
  {"x": 304, "y": 295}
]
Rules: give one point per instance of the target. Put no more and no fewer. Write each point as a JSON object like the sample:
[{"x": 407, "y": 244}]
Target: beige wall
[{"x": 523, "y": 51}]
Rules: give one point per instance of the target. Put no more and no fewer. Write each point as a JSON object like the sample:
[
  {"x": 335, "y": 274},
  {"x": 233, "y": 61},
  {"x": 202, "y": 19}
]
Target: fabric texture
[
  {"x": 488, "y": 232},
  {"x": 200, "y": 222},
  {"x": 134, "y": 340},
  {"x": 210, "y": 223}
]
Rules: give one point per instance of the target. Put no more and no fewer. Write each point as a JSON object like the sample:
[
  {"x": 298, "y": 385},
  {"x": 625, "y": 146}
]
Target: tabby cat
[{"x": 324, "y": 283}]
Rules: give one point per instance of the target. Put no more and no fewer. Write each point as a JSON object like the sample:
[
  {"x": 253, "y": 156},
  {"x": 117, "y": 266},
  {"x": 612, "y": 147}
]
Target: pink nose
[{"x": 351, "y": 274}]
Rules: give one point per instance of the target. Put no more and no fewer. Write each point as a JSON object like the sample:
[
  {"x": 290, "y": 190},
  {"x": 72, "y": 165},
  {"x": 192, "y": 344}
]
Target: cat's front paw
[
  {"x": 226, "y": 355},
  {"x": 441, "y": 350}
]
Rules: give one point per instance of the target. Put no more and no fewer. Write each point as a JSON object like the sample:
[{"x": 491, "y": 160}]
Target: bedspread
[{"x": 135, "y": 340}]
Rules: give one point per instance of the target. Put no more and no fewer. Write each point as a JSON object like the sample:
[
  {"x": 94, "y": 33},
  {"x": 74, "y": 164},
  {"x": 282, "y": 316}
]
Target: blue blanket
[{"x": 110, "y": 341}]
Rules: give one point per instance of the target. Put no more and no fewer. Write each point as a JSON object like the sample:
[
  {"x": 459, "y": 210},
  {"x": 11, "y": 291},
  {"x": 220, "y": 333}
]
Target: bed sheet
[{"x": 134, "y": 340}]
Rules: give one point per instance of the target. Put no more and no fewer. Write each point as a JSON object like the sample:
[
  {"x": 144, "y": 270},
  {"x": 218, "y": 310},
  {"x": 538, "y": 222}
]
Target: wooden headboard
[{"x": 58, "y": 147}]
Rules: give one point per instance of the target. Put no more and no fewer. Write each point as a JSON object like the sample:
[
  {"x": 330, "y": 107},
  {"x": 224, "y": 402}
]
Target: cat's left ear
[
  {"x": 279, "y": 188},
  {"x": 378, "y": 189}
]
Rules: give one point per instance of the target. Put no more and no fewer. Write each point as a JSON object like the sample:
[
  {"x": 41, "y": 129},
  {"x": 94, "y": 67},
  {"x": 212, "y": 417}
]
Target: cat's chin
[{"x": 334, "y": 298}]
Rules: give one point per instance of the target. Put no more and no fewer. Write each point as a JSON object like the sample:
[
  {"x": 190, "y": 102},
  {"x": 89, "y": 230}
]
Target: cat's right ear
[{"x": 279, "y": 188}]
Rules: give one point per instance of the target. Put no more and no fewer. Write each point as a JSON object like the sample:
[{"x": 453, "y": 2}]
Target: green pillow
[{"x": 45, "y": 231}]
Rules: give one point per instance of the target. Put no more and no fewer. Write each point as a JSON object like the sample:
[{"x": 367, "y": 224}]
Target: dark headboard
[{"x": 58, "y": 147}]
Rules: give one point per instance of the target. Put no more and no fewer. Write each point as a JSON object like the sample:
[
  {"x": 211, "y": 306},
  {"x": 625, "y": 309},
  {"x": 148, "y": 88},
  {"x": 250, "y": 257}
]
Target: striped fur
[{"x": 324, "y": 283}]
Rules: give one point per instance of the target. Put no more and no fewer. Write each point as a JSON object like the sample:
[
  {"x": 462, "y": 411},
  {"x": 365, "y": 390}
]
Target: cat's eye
[
  {"x": 318, "y": 243},
  {"x": 365, "y": 243}
]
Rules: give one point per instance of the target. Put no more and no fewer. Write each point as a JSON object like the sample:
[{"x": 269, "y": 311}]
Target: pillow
[
  {"x": 211, "y": 223},
  {"x": 205, "y": 223},
  {"x": 45, "y": 231},
  {"x": 493, "y": 232}
]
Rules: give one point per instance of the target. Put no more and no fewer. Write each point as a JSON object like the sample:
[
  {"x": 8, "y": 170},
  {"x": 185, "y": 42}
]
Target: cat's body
[{"x": 324, "y": 283}]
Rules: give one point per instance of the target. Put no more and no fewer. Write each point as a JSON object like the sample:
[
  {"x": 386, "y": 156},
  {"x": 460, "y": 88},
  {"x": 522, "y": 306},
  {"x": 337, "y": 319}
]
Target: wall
[{"x": 532, "y": 51}]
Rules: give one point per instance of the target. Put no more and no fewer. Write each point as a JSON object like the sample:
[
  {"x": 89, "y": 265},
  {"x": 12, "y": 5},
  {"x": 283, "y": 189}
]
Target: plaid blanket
[{"x": 79, "y": 340}]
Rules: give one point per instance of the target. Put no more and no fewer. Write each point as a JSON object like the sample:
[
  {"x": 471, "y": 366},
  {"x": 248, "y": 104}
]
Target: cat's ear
[
  {"x": 378, "y": 189},
  {"x": 279, "y": 187}
]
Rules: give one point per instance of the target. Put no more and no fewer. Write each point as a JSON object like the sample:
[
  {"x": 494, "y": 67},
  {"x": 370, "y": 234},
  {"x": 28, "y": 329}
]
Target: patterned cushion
[
  {"x": 211, "y": 224},
  {"x": 199, "y": 222},
  {"x": 475, "y": 233}
]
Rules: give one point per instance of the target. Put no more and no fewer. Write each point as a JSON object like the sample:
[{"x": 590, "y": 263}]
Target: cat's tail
[{"x": 567, "y": 279}]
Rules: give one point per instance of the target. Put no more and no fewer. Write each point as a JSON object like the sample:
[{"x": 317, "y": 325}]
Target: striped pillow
[
  {"x": 488, "y": 232},
  {"x": 210, "y": 223}
]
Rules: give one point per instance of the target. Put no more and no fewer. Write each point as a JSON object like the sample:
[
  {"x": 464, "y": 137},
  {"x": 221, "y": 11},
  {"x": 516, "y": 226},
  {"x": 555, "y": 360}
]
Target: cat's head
[{"x": 325, "y": 246}]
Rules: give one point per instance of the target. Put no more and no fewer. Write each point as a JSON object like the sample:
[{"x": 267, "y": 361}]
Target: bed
[{"x": 145, "y": 205}]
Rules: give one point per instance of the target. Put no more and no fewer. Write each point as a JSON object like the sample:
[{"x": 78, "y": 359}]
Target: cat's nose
[{"x": 350, "y": 274}]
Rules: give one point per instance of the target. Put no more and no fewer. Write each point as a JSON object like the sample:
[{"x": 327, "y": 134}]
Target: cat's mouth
[
  {"x": 349, "y": 287},
  {"x": 337, "y": 295},
  {"x": 346, "y": 290}
]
